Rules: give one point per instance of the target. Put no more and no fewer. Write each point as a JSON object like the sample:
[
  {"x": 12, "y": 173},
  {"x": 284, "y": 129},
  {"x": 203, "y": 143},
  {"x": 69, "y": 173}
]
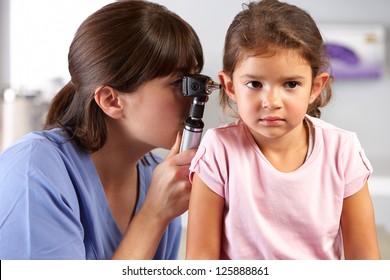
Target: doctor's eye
[{"x": 177, "y": 83}]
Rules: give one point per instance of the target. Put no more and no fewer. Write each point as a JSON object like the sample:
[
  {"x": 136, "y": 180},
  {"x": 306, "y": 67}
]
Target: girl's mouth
[{"x": 272, "y": 121}]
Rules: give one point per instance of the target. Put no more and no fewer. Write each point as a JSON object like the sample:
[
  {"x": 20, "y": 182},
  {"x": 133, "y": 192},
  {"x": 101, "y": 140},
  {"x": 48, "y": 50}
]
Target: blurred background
[{"x": 35, "y": 37}]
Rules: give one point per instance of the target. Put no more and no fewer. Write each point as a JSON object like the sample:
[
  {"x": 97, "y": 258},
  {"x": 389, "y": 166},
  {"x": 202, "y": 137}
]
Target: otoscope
[{"x": 199, "y": 87}]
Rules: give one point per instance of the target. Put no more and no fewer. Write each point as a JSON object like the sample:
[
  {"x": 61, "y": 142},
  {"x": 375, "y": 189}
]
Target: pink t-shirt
[{"x": 274, "y": 215}]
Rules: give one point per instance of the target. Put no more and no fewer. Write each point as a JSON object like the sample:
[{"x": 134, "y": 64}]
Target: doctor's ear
[
  {"x": 227, "y": 84},
  {"x": 108, "y": 99}
]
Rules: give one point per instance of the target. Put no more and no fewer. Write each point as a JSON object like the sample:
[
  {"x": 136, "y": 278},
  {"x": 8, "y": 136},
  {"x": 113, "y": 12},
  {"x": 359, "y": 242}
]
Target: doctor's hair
[
  {"x": 123, "y": 45},
  {"x": 264, "y": 27}
]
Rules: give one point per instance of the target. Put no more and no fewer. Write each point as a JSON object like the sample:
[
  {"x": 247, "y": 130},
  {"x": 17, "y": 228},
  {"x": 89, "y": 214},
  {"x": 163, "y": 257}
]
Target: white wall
[
  {"x": 4, "y": 44},
  {"x": 41, "y": 33}
]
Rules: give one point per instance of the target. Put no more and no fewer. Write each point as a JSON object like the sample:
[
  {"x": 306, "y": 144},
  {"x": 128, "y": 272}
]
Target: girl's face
[
  {"x": 156, "y": 112},
  {"x": 272, "y": 93}
]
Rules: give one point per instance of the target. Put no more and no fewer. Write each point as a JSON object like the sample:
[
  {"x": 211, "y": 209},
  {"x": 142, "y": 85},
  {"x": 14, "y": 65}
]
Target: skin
[
  {"x": 272, "y": 94},
  {"x": 135, "y": 127}
]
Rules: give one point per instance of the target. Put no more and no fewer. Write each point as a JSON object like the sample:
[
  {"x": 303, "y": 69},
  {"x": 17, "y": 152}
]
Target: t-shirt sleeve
[
  {"x": 39, "y": 214},
  {"x": 357, "y": 167},
  {"x": 208, "y": 163}
]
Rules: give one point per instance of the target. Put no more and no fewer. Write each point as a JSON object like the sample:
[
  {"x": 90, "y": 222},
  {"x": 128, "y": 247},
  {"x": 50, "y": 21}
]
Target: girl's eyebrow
[
  {"x": 294, "y": 77},
  {"x": 250, "y": 76},
  {"x": 257, "y": 77}
]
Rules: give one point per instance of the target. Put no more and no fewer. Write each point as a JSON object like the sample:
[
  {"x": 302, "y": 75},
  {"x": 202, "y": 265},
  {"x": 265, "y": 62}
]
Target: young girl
[
  {"x": 279, "y": 183},
  {"x": 87, "y": 187}
]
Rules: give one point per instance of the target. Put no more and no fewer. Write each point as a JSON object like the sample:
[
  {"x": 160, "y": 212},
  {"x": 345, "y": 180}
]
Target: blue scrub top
[{"x": 53, "y": 206}]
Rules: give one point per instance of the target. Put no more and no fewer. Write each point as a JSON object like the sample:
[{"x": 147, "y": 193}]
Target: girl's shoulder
[
  {"x": 329, "y": 131},
  {"x": 232, "y": 129},
  {"x": 229, "y": 137},
  {"x": 335, "y": 140}
]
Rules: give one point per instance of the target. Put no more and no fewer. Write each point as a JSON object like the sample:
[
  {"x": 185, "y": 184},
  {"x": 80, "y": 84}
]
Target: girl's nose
[{"x": 271, "y": 100}]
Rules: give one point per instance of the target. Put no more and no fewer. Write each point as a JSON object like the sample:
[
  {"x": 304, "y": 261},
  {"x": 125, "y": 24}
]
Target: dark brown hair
[
  {"x": 265, "y": 26},
  {"x": 122, "y": 45}
]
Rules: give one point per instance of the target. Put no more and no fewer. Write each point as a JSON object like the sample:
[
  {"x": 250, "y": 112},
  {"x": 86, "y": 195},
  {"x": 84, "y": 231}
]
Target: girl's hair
[
  {"x": 265, "y": 26},
  {"x": 122, "y": 45}
]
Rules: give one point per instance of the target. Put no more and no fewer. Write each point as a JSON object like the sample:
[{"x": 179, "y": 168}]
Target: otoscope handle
[{"x": 192, "y": 134}]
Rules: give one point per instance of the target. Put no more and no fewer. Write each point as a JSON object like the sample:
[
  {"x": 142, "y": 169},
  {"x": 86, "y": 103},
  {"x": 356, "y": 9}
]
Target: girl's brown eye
[
  {"x": 254, "y": 84},
  {"x": 291, "y": 84}
]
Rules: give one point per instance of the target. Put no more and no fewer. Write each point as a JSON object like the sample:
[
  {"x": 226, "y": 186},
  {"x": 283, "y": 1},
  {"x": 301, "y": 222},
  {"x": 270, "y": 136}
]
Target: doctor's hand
[
  {"x": 167, "y": 198},
  {"x": 170, "y": 189}
]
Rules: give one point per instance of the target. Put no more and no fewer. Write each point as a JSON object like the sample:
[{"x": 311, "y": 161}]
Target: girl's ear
[
  {"x": 108, "y": 100},
  {"x": 227, "y": 84},
  {"x": 318, "y": 84}
]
